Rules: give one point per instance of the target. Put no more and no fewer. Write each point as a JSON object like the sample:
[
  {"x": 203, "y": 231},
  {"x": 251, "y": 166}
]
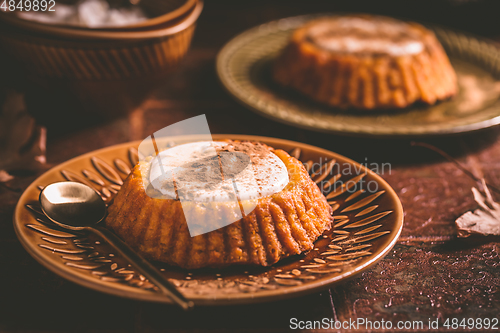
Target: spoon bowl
[{"x": 72, "y": 205}]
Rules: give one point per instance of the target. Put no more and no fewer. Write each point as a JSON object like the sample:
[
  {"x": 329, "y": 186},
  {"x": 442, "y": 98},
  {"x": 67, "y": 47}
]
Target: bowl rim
[
  {"x": 162, "y": 19},
  {"x": 46, "y": 30}
]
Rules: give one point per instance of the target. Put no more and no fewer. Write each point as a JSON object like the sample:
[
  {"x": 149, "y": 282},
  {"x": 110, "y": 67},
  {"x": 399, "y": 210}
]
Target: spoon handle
[{"x": 143, "y": 266}]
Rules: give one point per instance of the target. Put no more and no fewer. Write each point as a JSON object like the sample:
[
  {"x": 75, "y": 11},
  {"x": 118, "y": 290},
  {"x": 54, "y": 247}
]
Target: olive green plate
[
  {"x": 367, "y": 225},
  {"x": 243, "y": 66}
]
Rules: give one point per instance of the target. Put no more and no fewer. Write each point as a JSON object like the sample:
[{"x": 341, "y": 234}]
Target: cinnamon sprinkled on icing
[{"x": 209, "y": 171}]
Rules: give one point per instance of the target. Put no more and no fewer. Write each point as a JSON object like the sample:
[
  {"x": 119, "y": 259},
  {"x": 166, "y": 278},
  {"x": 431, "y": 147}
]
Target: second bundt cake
[{"x": 366, "y": 62}]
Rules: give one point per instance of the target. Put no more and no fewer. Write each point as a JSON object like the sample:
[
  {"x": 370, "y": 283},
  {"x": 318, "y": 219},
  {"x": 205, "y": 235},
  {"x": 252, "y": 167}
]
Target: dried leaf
[
  {"x": 22, "y": 142},
  {"x": 4, "y": 176},
  {"x": 485, "y": 220}
]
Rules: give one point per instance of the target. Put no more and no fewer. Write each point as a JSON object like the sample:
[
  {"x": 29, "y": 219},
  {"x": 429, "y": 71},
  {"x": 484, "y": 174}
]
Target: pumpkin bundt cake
[
  {"x": 366, "y": 62},
  {"x": 258, "y": 212}
]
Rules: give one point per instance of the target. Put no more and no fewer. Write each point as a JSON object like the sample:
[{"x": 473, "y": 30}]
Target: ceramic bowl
[
  {"x": 89, "y": 54},
  {"x": 103, "y": 72}
]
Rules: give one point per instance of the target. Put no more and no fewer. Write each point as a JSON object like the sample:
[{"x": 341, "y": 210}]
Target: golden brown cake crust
[
  {"x": 281, "y": 225},
  {"x": 387, "y": 64}
]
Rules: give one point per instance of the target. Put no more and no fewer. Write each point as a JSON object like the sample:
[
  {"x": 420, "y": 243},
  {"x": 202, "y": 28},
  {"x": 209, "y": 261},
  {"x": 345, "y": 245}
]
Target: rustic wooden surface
[{"x": 429, "y": 274}]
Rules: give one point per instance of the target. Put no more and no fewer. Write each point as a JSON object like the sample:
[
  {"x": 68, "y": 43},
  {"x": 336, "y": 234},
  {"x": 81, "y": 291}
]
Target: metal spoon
[{"x": 76, "y": 206}]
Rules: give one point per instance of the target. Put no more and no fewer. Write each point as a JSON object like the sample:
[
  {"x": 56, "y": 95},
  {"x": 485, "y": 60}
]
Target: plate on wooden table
[
  {"x": 368, "y": 218},
  {"x": 244, "y": 68}
]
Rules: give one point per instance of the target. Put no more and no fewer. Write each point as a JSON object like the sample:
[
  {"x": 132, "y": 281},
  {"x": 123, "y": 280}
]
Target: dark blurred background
[
  {"x": 195, "y": 79},
  {"x": 475, "y": 16}
]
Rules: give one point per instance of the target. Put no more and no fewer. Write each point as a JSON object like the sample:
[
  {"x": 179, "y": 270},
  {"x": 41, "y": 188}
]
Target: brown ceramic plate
[
  {"x": 244, "y": 67},
  {"x": 367, "y": 225}
]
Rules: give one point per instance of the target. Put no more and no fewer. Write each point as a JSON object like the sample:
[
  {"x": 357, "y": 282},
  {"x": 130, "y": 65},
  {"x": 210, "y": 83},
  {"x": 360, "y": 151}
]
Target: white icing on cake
[
  {"x": 366, "y": 35},
  {"x": 193, "y": 172}
]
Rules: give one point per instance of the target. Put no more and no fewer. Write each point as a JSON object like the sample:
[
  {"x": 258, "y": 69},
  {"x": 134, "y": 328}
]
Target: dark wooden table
[{"x": 430, "y": 274}]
